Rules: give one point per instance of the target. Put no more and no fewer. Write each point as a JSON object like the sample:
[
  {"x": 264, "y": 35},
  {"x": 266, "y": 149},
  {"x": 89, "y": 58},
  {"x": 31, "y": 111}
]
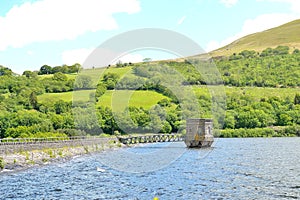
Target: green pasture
[{"x": 119, "y": 98}]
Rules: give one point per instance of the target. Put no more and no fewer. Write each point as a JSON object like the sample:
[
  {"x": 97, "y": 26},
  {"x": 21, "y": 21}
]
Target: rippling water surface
[{"x": 258, "y": 168}]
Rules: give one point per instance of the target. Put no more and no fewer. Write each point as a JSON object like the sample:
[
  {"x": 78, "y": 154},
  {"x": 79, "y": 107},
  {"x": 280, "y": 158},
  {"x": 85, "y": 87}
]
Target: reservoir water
[{"x": 252, "y": 168}]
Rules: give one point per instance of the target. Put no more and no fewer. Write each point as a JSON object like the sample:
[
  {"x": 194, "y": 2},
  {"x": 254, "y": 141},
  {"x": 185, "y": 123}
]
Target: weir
[
  {"x": 150, "y": 138},
  {"x": 14, "y": 145},
  {"x": 199, "y": 134}
]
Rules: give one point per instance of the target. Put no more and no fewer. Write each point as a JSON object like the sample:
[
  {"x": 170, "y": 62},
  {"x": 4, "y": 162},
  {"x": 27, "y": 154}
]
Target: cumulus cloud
[
  {"x": 54, "y": 20},
  {"x": 258, "y": 24},
  {"x": 229, "y": 3}
]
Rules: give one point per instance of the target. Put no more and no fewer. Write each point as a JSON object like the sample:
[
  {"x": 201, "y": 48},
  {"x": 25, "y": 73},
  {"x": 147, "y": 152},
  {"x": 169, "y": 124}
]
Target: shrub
[{"x": 2, "y": 163}]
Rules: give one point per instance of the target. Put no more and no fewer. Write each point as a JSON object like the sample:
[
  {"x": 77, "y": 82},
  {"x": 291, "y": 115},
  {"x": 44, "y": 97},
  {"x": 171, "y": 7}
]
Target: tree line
[{"x": 22, "y": 115}]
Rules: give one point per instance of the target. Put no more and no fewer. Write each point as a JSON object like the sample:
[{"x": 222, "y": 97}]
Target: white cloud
[
  {"x": 181, "y": 20},
  {"x": 54, "y": 20},
  {"x": 260, "y": 23},
  {"x": 229, "y": 3}
]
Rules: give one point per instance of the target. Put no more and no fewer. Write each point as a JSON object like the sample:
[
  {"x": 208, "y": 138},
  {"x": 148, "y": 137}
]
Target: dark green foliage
[
  {"x": 2, "y": 164},
  {"x": 262, "y": 132},
  {"x": 268, "y": 112},
  {"x": 62, "y": 107},
  {"x": 101, "y": 89},
  {"x": 166, "y": 128},
  {"x": 29, "y": 74},
  {"x": 62, "y": 121},
  {"x": 127, "y": 83},
  {"x": 235, "y": 57},
  {"x": 33, "y": 100},
  {"x": 72, "y": 132},
  {"x": 164, "y": 103},
  {"x": 230, "y": 120},
  {"x": 284, "y": 119},
  {"x": 86, "y": 120},
  {"x": 46, "y": 69},
  {"x": 138, "y": 120},
  {"x": 20, "y": 131},
  {"x": 247, "y": 69},
  {"x": 296, "y": 51},
  {"x": 110, "y": 80},
  {"x": 21, "y": 115},
  {"x": 106, "y": 120},
  {"x": 4, "y": 71},
  {"x": 53, "y": 86},
  {"x": 242, "y": 132},
  {"x": 119, "y": 64},
  {"x": 5, "y": 122},
  {"x": 83, "y": 82},
  {"x": 289, "y": 131},
  {"x": 281, "y": 50},
  {"x": 297, "y": 99},
  {"x": 267, "y": 52},
  {"x": 59, "y": 76},
  {"x": 248, "y": 54}
]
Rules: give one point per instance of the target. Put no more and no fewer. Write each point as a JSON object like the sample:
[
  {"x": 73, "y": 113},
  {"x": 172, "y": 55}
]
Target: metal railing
[
  {"x": 12, "y": 141},
  {"x": 11, "y": 145}
]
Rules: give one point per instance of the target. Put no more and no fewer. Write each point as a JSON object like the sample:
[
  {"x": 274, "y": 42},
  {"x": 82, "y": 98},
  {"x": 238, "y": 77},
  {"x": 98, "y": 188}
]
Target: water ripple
[{"x": 258, "y": 168}]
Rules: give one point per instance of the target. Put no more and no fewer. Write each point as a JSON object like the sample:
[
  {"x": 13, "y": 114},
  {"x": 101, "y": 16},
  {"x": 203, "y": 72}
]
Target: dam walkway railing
[
  {"x": 151, "y": 138},
  {"x": 12, "y": 145}
]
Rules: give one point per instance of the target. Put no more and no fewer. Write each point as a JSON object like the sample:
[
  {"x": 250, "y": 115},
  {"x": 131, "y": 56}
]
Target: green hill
[
  {"x": 261, "y": 86},
  {"x": 284, "y": 35}
]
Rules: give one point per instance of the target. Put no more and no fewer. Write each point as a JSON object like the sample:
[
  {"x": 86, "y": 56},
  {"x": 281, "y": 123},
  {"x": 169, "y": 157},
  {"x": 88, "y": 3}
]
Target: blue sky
[{"x": 56, "y": 32}]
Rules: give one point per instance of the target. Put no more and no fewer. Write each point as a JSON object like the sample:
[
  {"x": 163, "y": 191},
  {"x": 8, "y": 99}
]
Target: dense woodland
[{"x": 23, "y": 115}]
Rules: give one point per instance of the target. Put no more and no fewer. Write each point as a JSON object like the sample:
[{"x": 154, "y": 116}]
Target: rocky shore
[{"x": 27, "y": 159}]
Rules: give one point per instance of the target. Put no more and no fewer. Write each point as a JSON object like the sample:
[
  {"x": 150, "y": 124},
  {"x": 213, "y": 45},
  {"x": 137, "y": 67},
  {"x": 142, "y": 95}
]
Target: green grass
[
  {"x": 120, "y": 98},
  {"x": 6, "y": 95},
  {"x": 123, "y": 98},
  {"x": 120, "y": 71},
  {"x": 255, "y": 92},
  {"x": 81, "y": 95},
  {"x": 70, "y": 76},
  {"x": 259, "y": 93},
  {"x": 97, "y": 73}
]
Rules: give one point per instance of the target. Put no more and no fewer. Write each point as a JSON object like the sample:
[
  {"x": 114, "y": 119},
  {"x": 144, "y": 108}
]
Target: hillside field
[{"x": 146, "y": 99}]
